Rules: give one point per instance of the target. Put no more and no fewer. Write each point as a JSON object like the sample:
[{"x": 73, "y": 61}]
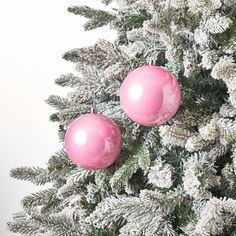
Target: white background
[{"x": 33, "y": 36}]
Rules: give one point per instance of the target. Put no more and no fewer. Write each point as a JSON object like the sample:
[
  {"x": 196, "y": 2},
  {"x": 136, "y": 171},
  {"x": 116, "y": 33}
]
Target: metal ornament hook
[
  {"x": 93, "y": 110},
  {"x": 93, "y": 95}
]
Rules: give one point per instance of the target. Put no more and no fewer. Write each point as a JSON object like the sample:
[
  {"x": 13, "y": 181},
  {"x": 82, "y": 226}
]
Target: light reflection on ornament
[
  {"x": 136, "y": 91},
  {"x": 80, "y": 137}
]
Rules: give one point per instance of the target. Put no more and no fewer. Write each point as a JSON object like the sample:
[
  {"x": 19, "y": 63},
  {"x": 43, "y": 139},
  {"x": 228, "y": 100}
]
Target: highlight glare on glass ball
[
  {"x": 136, "y": 91},
  {"x": 81, "y": 137}
]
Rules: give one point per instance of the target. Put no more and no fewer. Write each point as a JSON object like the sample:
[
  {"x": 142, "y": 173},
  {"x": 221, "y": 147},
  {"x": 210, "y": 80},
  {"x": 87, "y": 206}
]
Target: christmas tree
[{"x": 178, "y": 178}]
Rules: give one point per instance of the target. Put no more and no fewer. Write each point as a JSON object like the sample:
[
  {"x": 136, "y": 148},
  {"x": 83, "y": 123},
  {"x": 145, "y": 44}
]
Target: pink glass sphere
[
  {"x": 93, "y": 141},
  {"x": 150, "y": 95}
]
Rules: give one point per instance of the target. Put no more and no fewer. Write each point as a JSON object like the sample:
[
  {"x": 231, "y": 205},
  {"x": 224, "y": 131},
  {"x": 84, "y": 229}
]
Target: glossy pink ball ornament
[
  {"x": 93, "y": 141},
  {"x": 150, "y": 95}
]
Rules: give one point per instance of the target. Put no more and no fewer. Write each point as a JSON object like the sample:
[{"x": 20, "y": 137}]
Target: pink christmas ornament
[
  {"x": 93, "y": 141},
  {"x": 150, "y": 95}
]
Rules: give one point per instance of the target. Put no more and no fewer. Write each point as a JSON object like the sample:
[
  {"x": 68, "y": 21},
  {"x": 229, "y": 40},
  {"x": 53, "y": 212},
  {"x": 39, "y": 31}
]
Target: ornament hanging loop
[
  {"x": 93, "y": 110},
  {"x": 93, "y": 105},
  {"x": 93, "y": 95},
  {"x": 153, "y": 58},
  {"x": 150, "y": 61}
]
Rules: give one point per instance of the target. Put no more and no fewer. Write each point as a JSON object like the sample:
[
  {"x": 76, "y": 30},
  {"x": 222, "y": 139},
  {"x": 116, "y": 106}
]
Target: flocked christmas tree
[{"x": 175, "y": 179}]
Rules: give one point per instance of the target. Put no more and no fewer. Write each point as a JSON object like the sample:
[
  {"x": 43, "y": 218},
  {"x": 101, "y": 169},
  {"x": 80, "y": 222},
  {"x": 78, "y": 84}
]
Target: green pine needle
[{"x": 98, "y": 18}]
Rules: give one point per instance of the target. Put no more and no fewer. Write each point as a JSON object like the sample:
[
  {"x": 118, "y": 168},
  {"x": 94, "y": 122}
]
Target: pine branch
[
  {"x": 58, "y": 224},
  {"x": 79, "y": 178},
  {"x": 102, "y": 54},
  {"x": 67, "y": 115},
  {"x": 234, "y": 136},
  {"x": 68, "y": 110},
  {"x": 36, "y": 175},
  {"x": 166, "y": 201},
  {"x": 60, "y": 164},
  {"x": 125, "y": 172},
  {"x": 215, "y": 212},
  {"x": 98, "y": 18},
  {"x": 58, "y": 102},
  {"x": 68, "y": 80},
  {"x": 182, "y": 215},
  {"x": 111, "y": 208},
  {"x": 218, "y": 24},
  {"x": 52, "y": 207},
  {"x": 224, "y": 69},
  {"x": 199, "y": 175},
  {"x": 144, "y": 215},
  {"x": 160, "y": 174},
  {"x": 228, "y": 40},
  {"x": 151, "y": 138},
  {"x": 144, "y": 161},
  {"x": 130, "y": 20},
  {"x": 174, "y": 67},
  {"x": 174, "y": 136},
  {"x": 23, "y": 227},
  {"x": 102, "y": 178},
  {"x": 113, "y": 231},
  {"x": 54, "y": 117},
  {"x": 130, "y": 166},
  {"x": 22, "y": 224},
  {"x": 40, "y": 198},
  {"x": 61, "y": 133},
  {"x": 107, "y": 2}
]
